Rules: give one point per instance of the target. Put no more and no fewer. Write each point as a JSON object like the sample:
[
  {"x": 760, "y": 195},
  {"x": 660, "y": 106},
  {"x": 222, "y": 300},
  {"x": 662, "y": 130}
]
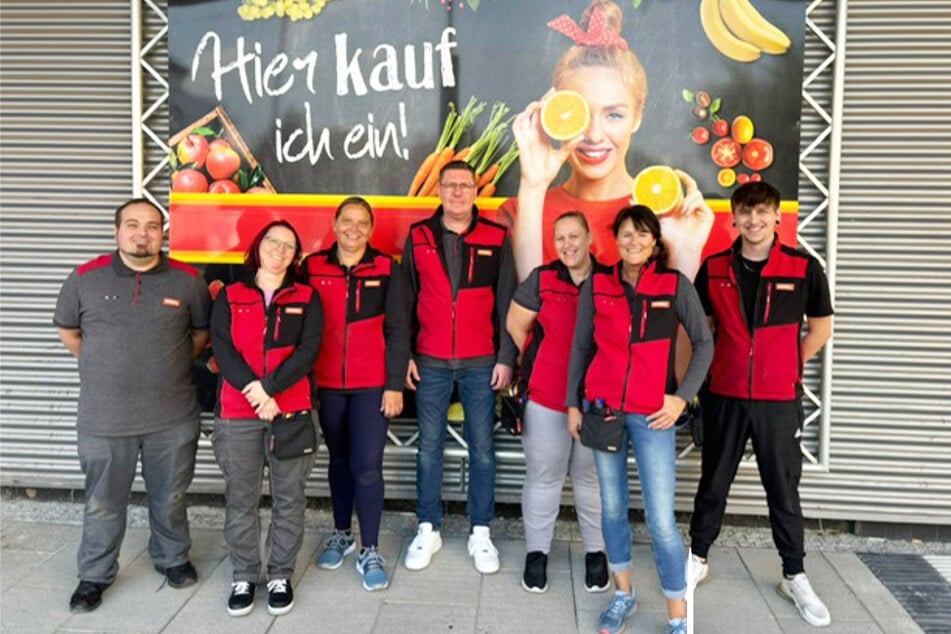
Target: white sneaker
[
  {"x": 426, "y": 544},
  {"x": 698, "y": 570},
  {"x": 482, "y": 550},
  {"x": 810, "y": 606}
]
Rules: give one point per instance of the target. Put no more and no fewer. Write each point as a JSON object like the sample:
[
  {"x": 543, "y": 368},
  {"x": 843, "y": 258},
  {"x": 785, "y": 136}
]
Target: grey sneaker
[
  {"x": 614, "y": 619},
  {"x": 370, "y": 564},
  {"x": 810, "y": 606},
  {"x": 335, "y": 549}
]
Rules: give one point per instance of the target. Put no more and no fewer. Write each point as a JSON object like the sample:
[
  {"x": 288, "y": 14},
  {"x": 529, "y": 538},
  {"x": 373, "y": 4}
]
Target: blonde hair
[{"x": 624, "y": 61}]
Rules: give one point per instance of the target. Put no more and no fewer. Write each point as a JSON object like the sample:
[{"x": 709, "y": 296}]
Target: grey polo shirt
[{"x": 135, "y": 365}]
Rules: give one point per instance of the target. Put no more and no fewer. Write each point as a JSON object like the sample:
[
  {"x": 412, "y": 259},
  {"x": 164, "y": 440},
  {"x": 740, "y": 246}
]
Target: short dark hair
[
  {"x": 457, "y": 165},
  {"x": 577, "y": 215},
  {"x": 644, "y": 219},
  {"x": 354, "y": 200},
  {"x": 136, "y": 201},
  {"x": 252, "y": 258},
  {"x": 753, "y": 194}
]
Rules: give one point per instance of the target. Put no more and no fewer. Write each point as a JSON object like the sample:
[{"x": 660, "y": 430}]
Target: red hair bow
[{"x": 597, "y": 34}]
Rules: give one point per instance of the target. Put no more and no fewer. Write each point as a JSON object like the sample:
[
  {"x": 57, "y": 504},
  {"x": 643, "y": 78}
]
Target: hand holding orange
[{"x": 565, "y": 115}]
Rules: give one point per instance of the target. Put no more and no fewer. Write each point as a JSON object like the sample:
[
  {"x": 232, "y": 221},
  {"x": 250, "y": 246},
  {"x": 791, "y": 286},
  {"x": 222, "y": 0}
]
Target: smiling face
[
  {"x": 277, "y": 250},
  {"x": 614, "y": 119},
  {"x": 572, "y": 242},
  {"x": 756, "y": 224},
  {"x": 636, "y": 245},
  {"x": 353, "y": 228},
  {"x": 139, "y": 235},
  {"x": 457, "y": 192}
]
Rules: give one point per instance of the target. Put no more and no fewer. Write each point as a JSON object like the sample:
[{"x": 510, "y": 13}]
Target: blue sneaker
[
  {"x": 677, "y": 626},
  {"x": 370, "y": 565},
  {"x": 335, "y": 549},
  {"x": 613, "y": 620}
]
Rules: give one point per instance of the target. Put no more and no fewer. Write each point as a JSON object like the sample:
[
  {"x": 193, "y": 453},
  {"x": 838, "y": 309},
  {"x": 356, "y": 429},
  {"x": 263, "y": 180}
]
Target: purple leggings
[{"x": 355, "y": 432}]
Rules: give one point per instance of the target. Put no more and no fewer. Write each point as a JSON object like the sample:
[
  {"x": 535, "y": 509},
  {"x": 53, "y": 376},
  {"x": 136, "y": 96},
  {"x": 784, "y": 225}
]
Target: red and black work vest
[
  {"x": 548, "y": 351},
  {"x": 633, "y": 364},
  {"x": 265, "y": 337},
  {"x": 767, "y": 364},
  {"x": 464, "y": 326},
  {"x": 352, "y": 350}
]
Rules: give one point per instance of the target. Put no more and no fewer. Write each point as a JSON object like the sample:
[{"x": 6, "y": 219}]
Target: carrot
[
  {"x": 487, "y": 191},
  {"x": 422, "y": 173},
  {"x": 462, "y": 154},
  {"x": 487, "y": 175},
  {"x": 441, "y": 161}
]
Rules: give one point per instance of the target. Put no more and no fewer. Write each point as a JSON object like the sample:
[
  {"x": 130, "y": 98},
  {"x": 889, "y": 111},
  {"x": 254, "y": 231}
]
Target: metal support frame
[{"x": 828, "y": 187}]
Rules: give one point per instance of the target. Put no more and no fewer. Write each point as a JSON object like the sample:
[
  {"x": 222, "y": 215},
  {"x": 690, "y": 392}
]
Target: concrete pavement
[{"x": 37, "y": 576}]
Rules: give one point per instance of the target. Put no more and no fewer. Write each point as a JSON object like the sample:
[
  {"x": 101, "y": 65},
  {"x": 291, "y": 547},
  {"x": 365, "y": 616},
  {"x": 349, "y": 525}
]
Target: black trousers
[{"x": 774, "y": 427}]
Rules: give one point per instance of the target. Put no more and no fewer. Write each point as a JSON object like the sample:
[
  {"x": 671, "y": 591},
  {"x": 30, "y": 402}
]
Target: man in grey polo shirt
[{"x": 135, "y": 319}]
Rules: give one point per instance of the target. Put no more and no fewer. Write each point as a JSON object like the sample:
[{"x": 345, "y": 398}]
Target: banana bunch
[{"x": 739, "y": 31}]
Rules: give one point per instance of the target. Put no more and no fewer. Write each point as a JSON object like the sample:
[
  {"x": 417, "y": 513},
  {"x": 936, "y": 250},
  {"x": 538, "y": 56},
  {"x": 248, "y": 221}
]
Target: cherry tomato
[
  {"x": 721, "y": 127},
  {"x": 702, "y": 99},
  {"x": 755, "y": 177},
  {"x": 743, "y": 178},
  {"x": 699, "y": 113},
  {"x": 742, "y": 129},
  {"x": 758, "y": 155},
  {"x": 726, "y": 152},
  {"x": 700, "y": 135}
]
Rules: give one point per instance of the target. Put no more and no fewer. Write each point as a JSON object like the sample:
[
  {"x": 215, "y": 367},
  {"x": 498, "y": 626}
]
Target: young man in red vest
[
  {"x": 460, "y": 279},
  {"x": 756, "y": 294}
]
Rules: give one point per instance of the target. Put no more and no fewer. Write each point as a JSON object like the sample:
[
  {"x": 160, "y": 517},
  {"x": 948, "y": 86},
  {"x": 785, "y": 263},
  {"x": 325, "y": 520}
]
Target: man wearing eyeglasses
[
  {"x": 135, "y": 319},
  {"x": 461, "y": 277}
]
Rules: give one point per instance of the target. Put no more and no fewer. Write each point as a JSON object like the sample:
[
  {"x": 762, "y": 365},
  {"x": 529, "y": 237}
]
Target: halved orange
[
  {"x": 565, "y": 115},
  {"x": 659, "y": 188}
]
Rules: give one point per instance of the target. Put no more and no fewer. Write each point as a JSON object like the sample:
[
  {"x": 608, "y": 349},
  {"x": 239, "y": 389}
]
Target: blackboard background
[{"x": 505, "y": 52}]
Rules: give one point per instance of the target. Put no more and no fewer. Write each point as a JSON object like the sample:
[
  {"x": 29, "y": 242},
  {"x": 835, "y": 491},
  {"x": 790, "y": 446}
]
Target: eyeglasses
[
  {"x": 274, "y": 243},
  {"x": 458, "y": 187}
]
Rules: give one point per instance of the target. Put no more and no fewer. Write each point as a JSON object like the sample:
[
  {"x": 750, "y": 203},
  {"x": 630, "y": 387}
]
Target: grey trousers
[
  {"x": 550, "y": 454},
  {"x": 241, "y": 451},
  {"x": 109, "y": 464}
]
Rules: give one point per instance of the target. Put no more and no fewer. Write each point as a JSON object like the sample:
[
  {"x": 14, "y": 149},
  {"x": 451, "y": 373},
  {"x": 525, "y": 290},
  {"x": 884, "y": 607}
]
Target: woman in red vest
[
  {"x": 622, "y": 359},
  {"x": 359, "y": 376},
  {"x": 265, "y": 334},
  {"x": 541, "y": 320}
]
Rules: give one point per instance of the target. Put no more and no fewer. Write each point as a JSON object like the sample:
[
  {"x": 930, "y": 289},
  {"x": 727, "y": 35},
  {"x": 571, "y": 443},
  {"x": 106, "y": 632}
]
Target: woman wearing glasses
[{"x": 265, "y": 334}]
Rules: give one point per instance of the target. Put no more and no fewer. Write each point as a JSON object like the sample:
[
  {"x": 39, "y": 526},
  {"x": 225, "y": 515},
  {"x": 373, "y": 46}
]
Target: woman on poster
[
  {"x": 359, "y": 377},
  {"x": 265, "y": 333},
  {"x": 601, "y": 68},
  {"x": 622, "y": 359},
  {"x": 541, "y": 320}
]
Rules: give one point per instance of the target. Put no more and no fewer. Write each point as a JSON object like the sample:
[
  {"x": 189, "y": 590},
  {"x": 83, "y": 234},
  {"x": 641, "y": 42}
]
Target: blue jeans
[
  {"x": 656, "y": 456},
  {"x": 432, "y": 409}
]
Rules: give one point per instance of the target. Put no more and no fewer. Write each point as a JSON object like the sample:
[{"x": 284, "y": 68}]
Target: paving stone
[
  {"x": 34, "y": 610},
  {"x": 873, "y": 595},
  {"x": 17, "y": 564},
  {"x": 504, "y": 606},
  {"x": 209, "y": 616},
  {"x": 402, "y": 618}
]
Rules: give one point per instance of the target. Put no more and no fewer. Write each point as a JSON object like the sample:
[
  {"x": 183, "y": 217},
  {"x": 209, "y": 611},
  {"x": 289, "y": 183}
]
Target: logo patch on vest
[
  {"x": 294, "y": 310},
  {"x": 787, "y": 286},
  {"x": 485, "y": 252},
  {"x": 660, "y": 303},
  {"x": 371, "y": 283},
  {"x": 171, "y": 301}
]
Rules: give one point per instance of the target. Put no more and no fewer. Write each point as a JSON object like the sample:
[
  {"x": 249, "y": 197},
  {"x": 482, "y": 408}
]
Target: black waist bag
[
  {"x": 512, "y": 411},
  {"x": 601, "y": 429},
  {"x": 293, "y": 435}
]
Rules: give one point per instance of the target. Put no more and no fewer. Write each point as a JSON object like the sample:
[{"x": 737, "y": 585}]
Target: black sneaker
[
  {"x": 280, "y": 596},
  {"x": 535, "y": 577},
  {"x": 180, "y": 576},
  {"x": 596, "y": 578},
  {"x": 241, "y": 601},
  {"x": 87, "y": 597}
]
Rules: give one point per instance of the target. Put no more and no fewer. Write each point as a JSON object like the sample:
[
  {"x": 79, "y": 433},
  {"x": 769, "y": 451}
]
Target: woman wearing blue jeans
[{"x": 623, "y": 355}]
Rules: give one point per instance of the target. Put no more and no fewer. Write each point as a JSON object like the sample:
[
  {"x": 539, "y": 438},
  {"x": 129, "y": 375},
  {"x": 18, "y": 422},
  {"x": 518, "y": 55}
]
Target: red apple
[
  {"x": 219, "y": 143},
  {"x": 259, "y": 190},
  {"x": 222, "y": 162},
  {"x": 193, "y": 149},
  {"x": 214, "y": 288},
  {"x": 189, "y": 180},
  {"x": 224, "y": 187}
]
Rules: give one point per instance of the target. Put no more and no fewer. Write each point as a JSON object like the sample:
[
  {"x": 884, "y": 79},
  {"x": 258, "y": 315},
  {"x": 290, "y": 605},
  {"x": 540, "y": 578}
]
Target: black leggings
[
  {"x": 774, "y": 428},
  {"x": 355, "y": 432}
]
